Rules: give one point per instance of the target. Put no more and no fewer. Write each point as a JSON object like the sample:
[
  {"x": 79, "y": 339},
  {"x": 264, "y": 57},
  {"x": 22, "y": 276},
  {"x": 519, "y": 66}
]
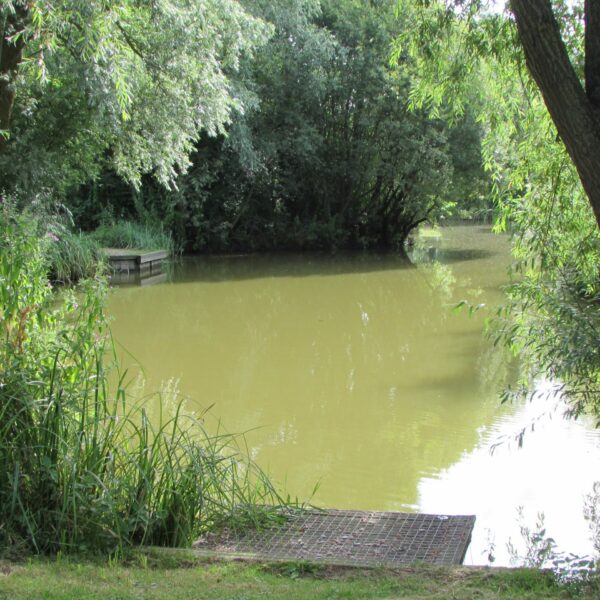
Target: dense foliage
[
  {"x": 86, "y": 84},
  {"x": 331, "y": 156},
  {"x": 321, "y": 150}
]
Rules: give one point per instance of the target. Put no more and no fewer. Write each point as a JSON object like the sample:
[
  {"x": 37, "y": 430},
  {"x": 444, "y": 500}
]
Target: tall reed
[
  {"x": 81, "y": 468},
  {"x": 72, "y": 256},
  {"x": 127, "y": 234}
]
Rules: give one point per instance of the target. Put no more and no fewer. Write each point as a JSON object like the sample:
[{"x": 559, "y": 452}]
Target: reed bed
[
  {"x": 71, "y": 257},
  {"x": 127, "y": 234},
  {"x": 82, "y": 467}
]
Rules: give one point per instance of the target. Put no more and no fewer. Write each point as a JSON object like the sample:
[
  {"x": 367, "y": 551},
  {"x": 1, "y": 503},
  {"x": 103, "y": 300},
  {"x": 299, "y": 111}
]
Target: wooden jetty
[
  {"x": 350, "y": 538},
  {"x": 130, "y": 260}
]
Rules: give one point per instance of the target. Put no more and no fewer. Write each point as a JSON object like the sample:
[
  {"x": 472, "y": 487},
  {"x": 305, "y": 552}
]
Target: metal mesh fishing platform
[{"x": 354, "y": 538}]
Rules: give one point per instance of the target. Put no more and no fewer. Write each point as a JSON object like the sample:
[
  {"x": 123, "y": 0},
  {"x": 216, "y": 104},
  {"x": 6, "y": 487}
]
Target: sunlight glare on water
[{"x": 551, "y": 474}]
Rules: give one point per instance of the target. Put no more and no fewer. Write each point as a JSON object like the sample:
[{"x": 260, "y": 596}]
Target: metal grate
[{"x": 353, "y": 538}]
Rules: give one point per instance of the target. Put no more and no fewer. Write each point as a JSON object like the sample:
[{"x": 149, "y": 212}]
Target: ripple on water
[{"x": 550, "y": 473}]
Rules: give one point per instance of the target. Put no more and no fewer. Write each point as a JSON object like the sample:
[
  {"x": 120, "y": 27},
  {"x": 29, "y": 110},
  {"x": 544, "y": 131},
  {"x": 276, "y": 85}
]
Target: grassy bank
[
  {"x": 182, "y": 576},
  {"x": 127, "y": 234}
]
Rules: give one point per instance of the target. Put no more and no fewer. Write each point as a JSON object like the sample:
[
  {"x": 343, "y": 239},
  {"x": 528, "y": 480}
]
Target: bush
[{"x": 79, "y": 467}]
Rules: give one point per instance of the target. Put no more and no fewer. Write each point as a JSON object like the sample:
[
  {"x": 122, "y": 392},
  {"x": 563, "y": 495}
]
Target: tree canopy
[
  {"x": 560, "y": 44},
  {"x": 86, "y": 83},
  {"x": 326, "y": 153}
]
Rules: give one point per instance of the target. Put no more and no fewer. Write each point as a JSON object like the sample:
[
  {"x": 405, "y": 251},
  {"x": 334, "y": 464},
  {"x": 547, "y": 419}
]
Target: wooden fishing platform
[
  {"x": 350, "y": 538},
  {"x": 138, "y": 278},
  {"x": 131, "y": 260}
]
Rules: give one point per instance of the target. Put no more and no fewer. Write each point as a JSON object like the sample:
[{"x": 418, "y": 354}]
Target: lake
[{"x": 354, "y": 372}]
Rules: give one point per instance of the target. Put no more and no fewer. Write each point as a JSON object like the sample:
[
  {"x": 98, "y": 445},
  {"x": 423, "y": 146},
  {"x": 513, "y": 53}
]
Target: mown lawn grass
[{"x": 181, "y": 576}]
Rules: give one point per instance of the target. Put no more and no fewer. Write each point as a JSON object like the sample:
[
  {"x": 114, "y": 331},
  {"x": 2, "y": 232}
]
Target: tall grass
[
  {"x": 80, "y": 467},
  {"x": 72, "y": 256},
  {"x": 127, "y": 234}
]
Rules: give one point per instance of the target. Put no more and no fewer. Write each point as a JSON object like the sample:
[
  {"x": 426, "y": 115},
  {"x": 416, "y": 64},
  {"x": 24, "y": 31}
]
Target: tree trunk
[
  {"x": 592, "y": 52},
  {"x": 575, "y": 113},
  {"x": 11, "y": 52}
]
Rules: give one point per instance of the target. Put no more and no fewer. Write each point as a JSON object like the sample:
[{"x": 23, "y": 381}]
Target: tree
[
  {"x": 552, "y": 318},
  {"x": 129, "y": 83},
  {"x": 14, "y": 19},
  {"x": 574, "y": 110},
  {"x": 328, "y": 154},
  {"x": 548, "y": 32}
]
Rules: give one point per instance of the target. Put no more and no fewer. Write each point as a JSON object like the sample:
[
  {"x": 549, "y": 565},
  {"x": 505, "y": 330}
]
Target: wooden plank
[
  {"x": 153, "y": 256},
  {"x": 131, "y": 259},
  {"x": 120, "y": 253}
]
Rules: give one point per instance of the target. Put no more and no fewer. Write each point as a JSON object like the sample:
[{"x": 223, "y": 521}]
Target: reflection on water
[
  {"x": 551, "y": 473},
  {"x": 354, "y": 368}
]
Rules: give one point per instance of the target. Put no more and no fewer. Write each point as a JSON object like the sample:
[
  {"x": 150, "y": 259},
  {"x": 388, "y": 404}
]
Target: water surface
[{"x": 353, "y": 371}]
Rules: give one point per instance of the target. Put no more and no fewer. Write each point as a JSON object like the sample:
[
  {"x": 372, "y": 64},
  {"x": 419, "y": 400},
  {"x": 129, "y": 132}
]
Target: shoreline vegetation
[
  {"x": 82, "y": 468},
  {"x": 72, "y": 257}
]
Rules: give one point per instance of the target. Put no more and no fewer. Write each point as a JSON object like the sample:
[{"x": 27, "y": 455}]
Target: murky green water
[{"x": 353, "y": 372}]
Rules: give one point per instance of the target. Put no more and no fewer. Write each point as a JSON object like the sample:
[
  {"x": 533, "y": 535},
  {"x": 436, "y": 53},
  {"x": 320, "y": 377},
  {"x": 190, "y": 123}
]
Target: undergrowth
[{"x": 71, "y": 257}]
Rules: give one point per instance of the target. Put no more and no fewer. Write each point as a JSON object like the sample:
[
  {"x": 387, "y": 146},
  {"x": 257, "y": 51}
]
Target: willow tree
[
  {"x": 129, "y": 82},
  {"x": 534, "y": 70},
  {"x": 330, "y": 156},
  {"x": 573, "y": 104}
]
